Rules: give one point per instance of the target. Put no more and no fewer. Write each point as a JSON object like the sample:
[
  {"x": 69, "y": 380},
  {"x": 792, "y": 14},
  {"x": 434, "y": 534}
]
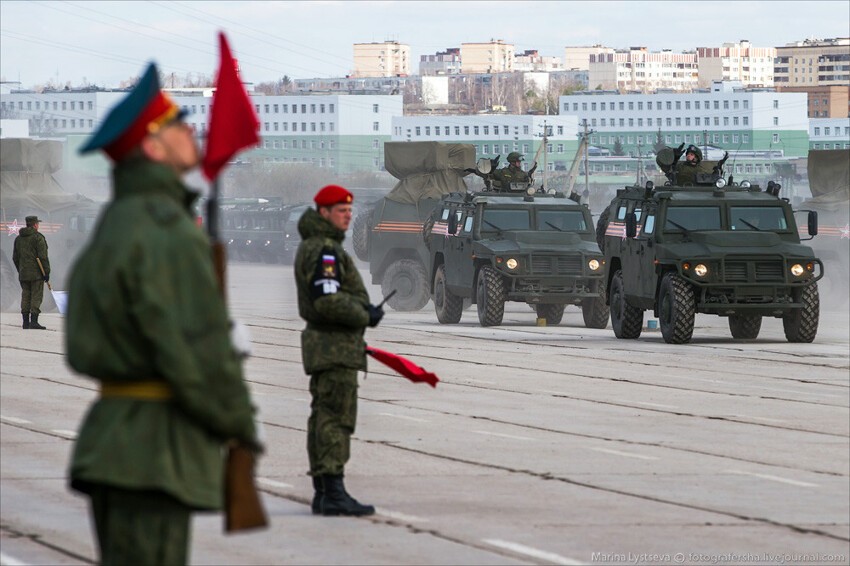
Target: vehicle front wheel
[
  {"x": 490, "y": 297},
  {"x": 801, "y": 325},
  {"x": 626, "y": 320},
  {"x": 595, "y": 311},
  {"x": 449, "y": 307},
  {"x": 744, "y": 326},
  {"x": 407, "y": 277},
  {"x": 676, "y": 308},
  {"x": 552, "y": 313},
  {"x": 360, "y": 235}
]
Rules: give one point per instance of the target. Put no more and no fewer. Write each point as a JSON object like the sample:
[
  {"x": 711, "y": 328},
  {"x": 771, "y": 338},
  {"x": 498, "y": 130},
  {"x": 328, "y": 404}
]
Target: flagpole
[{"x": 218, "y": 251}]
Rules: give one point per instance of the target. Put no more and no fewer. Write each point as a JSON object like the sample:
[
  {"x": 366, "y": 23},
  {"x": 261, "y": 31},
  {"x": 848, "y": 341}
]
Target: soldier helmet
[
  {"x": 696, "y": 151},
  {"x": 514, "y": 156}
]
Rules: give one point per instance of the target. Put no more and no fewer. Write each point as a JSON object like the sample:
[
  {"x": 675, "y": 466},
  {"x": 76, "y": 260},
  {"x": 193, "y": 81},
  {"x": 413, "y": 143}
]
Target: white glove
[{"x": 240, "y": 337}]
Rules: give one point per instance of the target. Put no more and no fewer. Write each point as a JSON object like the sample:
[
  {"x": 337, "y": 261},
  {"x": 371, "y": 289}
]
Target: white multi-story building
[
  {"x": 496, "y": 56},
  {"x": 829, "y": 133},
  {"x": 753, "y": 66},
  {"x": 640, "y": 70},
  {"x": 498, "y": 134},
  {"x": 387, "y": 59},
  {"x": 734, "y": 119},
  {"x": 531, "y": 61}
]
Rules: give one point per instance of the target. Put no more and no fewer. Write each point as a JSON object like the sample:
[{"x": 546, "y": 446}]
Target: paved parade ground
[{"x": 541, "y": 445}]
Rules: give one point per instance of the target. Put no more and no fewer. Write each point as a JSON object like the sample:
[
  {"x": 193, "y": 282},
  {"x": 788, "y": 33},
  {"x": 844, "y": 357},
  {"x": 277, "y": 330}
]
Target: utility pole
[
  {"x": 640, "y": 164},
  {"x": 545, "y": 151},
  {"x": 705, "y": 144},
  {"x": 586, "y": 147}
]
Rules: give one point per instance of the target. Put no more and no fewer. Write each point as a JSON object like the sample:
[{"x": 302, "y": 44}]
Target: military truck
[
  {"x": 28, "y": 187},
  {"x": 531, "y": 247},
  {"x": 261, "y": 230},
  {"x": 395, "y": 249},
  {"x": 715, "y": 247},
  {"x": 829, "y": 181}
]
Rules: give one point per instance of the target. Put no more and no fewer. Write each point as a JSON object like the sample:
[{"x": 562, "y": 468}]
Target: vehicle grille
[
  {"x": 555, "y": 265},
  {"x": 763, "y": 271}
]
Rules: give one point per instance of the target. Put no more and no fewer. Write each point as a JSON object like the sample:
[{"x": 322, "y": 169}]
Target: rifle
[{"x": 243, "y": 508}]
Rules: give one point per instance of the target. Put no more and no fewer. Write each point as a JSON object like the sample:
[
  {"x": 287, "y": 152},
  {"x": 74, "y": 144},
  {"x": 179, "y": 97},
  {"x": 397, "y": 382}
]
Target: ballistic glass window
[
  {"x": 505, "y": 219},
  {"x": 467, "y": 226},
  {"x": 692, "y": 218},
  {"x": 621, "y": 212},
  {"x": 770, "y": 218},
  {"x": 649, "y": 226},
  {"x": 561, "y": 220},
  {"x": 445, "y": 215}
]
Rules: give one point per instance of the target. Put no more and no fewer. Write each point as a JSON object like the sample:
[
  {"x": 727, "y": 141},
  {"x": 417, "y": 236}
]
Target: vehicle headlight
[
  {"x": 745, "y": 184},
  {"x": 511, "y": 263},
  {"x": 593, "y": 264},
  {"x": 247, "y": 242},
  {"x": 797, "y": 270},
  {"x": 701, "y": 270},
  {"x": 720, "y": 183}
]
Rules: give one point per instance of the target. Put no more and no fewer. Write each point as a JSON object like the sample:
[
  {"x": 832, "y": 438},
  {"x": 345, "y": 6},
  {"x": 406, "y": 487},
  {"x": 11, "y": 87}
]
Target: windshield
[
  {"x": 561, "y": 220},
  {"x": 690, "y": 218},
  {"x": 757, "y": 218},
  {"x": 505, "y": 219}
]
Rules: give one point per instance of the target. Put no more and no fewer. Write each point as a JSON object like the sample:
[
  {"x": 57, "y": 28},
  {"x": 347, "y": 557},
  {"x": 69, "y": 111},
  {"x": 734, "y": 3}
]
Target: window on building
[
  {"x": 525, "y": 130},
  {"x": 726, "y": 105},
  {"x": 584, "y": 106},
  {"x": 560, "y": 148},
  {"x": 304, "y": 108},
  {"x": 331, "y": 108},
  {"x": 602, "y": 106},
  {"x": 746, "y": 120},
  {"x": 376, "y": 126},
  {"x": 303, "y": 126},
  {"x": 776, "y": 120},
  {"x": 775, "y": 138},
  {"x": 486, "y": 131},
  {"x": 276, "y": 126},
  {"x": 593, "y": 122},
  {"x": 716, "y": 120},
  {"x": 649, "y": 122},
  {"x": 776, "y": 103},
  {"x": 375, "y": 108},
  {"x": 678, "y": 105},
  {"x": 826, "y": 131},
  {"x": 746, "y": 105},
  {"x": 265, "y": 107},
  {"x": 687, "y": 105},
  {"x": 678, "y": 121},
  {"x": 817, "y": 131},
  {"x": 525, "y": 148},
  {"x": 593, "y": 106},
  {"x": 726, "y": 120},
  {"x": 734, "y": 104},
  {"x": 266, "y": 126},
  {"x": 669, "y": 105},
  {"x": 631, "y": 105},
  {"x": 466, "y": 130},
  {"x": 418, "y": 131},
  {"x": 622, "y": 106},
  {"x": 486, "y": 148}
]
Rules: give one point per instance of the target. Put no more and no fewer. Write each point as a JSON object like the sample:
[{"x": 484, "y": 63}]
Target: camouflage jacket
[
  {"x": 510, "y": 174},
  {"x": 331, "y": 298},
  {"x": 30, "y": 244},
  {"x": 144, "y": 304}
]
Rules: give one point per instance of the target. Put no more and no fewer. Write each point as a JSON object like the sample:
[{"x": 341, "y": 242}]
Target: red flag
[
  {"x": 403, "y": 366},
  {"x": 233, "y": 122}
]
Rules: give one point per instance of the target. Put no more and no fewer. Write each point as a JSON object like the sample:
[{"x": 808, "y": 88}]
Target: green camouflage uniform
[
  {"x": 29, "y": 245},
  {"x": 144, "y": 305},
  {"x": 686, "y": 173},
  {"x": 334, "y": 302},
  {"x": 510, "y": 174}
]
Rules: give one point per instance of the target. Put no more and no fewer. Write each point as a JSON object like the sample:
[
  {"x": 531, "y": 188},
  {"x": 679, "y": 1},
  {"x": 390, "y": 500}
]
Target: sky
[{"x": 104, "y": 43}]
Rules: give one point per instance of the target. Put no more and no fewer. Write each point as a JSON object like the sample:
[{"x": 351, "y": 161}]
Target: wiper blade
[
  {"x": 679, "y": 226},
  {"x": 555, "y": 227},
  {"x": 493, "y": 225},
  {"x": 753, "y": 226}
]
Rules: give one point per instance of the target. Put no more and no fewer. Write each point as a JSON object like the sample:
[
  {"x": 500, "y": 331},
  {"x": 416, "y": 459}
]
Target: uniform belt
[{"x": 153, "y": 390}]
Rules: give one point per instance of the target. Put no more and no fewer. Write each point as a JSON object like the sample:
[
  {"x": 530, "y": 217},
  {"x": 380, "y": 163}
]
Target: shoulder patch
[{"x": 326, "y": 277}]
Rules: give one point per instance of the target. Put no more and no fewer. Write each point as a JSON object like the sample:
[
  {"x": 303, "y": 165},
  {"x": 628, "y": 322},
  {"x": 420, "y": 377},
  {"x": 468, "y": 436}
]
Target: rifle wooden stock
[
  {"x": 243, "y": 508},
  {"x": 43, "y": 274}
]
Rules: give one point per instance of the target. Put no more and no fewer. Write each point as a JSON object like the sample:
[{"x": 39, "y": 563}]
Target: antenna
[{"x": 736, "y": 158}]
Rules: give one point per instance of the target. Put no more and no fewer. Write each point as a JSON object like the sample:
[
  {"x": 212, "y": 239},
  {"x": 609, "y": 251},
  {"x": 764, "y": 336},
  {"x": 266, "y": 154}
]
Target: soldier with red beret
[
  {"x": 335, "y": 304},
  {"x": 147, "y": 321}
]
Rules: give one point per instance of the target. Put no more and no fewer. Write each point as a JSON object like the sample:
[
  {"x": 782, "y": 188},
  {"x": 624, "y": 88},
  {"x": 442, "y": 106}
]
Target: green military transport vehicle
[
  {"x": 494, "y": 247},
  {"x": 712, "y": 246}
]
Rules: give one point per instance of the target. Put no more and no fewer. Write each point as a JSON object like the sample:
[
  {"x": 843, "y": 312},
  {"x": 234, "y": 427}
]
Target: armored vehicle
[
  {"x": 392, "y": 233},
  {"x": 28, "y": 187},
  {"x": 493, "y": 247},
  {"x": 713, "y": 246},
  {"x": 260, "y": 229}
]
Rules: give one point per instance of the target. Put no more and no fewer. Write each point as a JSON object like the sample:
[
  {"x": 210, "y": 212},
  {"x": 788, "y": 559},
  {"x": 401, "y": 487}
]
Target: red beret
[{"x": 333, "y": 194}]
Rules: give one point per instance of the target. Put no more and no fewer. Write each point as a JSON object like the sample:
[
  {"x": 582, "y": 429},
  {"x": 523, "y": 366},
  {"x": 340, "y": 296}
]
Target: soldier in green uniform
[
  {"x": 686, "y": 171},
  {"x": 29, "y": 249},
  {"x": 147, "y": 321},
  {"x": 335, "y": 304},
  {"x": 513, "y": 173}
]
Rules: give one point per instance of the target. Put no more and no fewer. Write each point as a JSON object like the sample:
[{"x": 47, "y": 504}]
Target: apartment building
[
  {"x": 387, "y": 59},
  {"x": 531, "y": 61},
  {"x": 752, "y": 66},
  {"x": 813, "y": 62},
  {"x": 734, "y": 119},
  {"x": 498, "y": 134},
  {"x": 441, "y": 63},
  {"x": 638, "y": 69},
  {"x": 578, "y": 58},
  {"x": 831, "y": 101},
  {"x": 496, "y": 56}
]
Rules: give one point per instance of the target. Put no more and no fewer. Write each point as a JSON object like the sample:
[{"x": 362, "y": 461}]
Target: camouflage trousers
[
  {"x": 332, "y": 419},
  {"x": 32, "y": 293},
  {"x": 140, "y": 527}
]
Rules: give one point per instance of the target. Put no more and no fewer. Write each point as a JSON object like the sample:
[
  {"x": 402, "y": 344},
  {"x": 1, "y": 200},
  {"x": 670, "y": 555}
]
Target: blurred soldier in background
[
  {"x": 31, "y": 248},
  {"x": 513, "y": 173}
]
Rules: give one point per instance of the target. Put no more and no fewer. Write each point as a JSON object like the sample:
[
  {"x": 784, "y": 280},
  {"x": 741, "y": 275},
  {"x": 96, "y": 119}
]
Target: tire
[
  {"x": 552, "y": 313},
  {"x": 676, "y": 309},
  {"x": 449, "y": 307},
  {"x": 360, "y": 235},
  {"x": 626, "y": 320},
  {"x": 10, "y": 291},
  {"x": 601, "y": 227},
  {"x": 801, "y": 325},
  {"x": 595, "y": 311},
  {"x": 745, "y": 326},
  {"x": 407, "y": 277},
  {"x": 490, "y": 297}
]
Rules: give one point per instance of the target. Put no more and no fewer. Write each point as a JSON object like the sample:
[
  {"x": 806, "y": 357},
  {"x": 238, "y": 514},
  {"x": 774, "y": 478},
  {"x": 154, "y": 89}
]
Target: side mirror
[
  {"x": 631, "y": 225},
  {"x": 484, "y": 165},
  {"x": 452, "y": 227},
  {"x": 813, "y": 223}
]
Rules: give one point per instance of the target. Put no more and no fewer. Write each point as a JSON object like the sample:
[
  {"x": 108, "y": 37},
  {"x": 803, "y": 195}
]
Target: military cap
[
  {"x": 330, "y": 195},
  {"x": 144, "y": 111},
  {"x": 514, "y": 156},
  {"x": 32, "y": 220}
]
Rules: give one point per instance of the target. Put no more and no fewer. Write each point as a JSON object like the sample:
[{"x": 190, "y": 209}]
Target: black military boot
[
  {"x": 34, "y": 325},
  {"x": 336, "y": 501},
  {"x": 319, "y": 490},
  {"x": 26, "y": 317}
]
